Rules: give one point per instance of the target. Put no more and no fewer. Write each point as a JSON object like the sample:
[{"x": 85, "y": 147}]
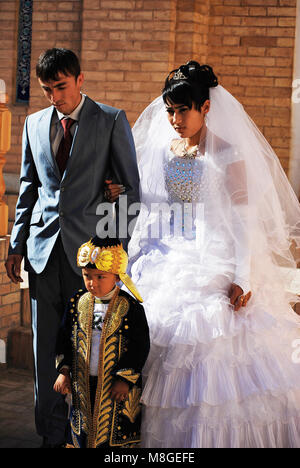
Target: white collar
[
  {"x": 108, "y": 296},
  {"x": 76, "y": 112}
]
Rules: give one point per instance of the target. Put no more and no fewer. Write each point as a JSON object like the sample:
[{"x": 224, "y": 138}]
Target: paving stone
[{"x": 17, "y": 427}]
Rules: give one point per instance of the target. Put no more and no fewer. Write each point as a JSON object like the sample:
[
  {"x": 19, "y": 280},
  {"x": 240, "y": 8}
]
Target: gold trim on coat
[{"x": 99, "y": 426}]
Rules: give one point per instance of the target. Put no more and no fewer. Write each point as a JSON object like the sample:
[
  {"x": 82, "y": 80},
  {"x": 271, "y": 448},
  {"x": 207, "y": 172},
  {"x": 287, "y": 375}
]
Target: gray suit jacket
[{"x": 102, "y": 147}]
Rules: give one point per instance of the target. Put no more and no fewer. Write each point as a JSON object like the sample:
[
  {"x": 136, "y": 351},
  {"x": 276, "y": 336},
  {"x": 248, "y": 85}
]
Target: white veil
[{"x": 247, "y": 199}]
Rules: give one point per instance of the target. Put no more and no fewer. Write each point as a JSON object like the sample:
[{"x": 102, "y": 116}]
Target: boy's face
[
  {"x": 63, "y": 94},
  {"x": 97, "y": 282}
]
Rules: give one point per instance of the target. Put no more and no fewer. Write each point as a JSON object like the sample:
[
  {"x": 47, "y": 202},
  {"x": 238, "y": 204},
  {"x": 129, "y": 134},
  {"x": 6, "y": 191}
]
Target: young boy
[{"x": 102, "y": 347}]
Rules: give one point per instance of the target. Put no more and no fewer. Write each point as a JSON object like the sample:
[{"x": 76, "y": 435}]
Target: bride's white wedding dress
[{"x": 214, "y": 377}]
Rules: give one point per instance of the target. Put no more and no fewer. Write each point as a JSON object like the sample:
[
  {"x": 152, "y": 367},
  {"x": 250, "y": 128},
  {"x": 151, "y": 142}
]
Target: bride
[{"x": 208, "y": 254}]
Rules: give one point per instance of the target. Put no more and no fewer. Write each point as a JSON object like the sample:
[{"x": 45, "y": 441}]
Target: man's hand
[
  {"x": 119, "y": 391},
  {"x": 13, "y": 268},
  {"x": 237, "y": 297}
]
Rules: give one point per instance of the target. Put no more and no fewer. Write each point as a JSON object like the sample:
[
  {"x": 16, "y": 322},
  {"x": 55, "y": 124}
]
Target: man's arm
[{"x": 27, "y": 198}]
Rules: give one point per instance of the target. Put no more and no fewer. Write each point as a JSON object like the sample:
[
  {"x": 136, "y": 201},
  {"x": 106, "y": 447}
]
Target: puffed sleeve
[{"x": 236, "y": 184}]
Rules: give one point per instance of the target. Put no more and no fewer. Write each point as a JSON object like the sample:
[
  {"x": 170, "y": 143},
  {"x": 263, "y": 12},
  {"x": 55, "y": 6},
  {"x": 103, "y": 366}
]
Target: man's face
[{"x": 63, "y": 94}]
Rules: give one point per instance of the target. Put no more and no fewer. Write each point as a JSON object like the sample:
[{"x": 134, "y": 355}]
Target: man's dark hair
[{"x": 55, "y": 61}]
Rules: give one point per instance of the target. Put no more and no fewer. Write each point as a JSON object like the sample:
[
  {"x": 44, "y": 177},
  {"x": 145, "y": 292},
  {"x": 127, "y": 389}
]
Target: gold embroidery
[
  {"x": 82, "y": 343},
  {"x": 76, "y": 445},
  {"x": 120, "y": 310},
  {"x": 99, "y": 427},
  {"x": 132, "y": 405},
  {"x": 84, "y": 311},
  {"x": 104, "y": 405},
  {"x": 128, "y": 374}
]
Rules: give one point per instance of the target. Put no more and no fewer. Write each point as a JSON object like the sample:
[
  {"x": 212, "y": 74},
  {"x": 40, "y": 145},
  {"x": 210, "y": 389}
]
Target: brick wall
[
  {"x": 10, "y": 296},
  {"x": 55, "y": 23},
  {"x": 11, "y": 200},
  {"x": 191, "y": 31},
  {"x": 251, "y": 45},
  {"x": 8, "y": 65},
  {"x": 127, "y": 47}
]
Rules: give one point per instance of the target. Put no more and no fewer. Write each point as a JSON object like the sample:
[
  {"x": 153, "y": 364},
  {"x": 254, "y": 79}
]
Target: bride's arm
[{"x": 236, "y": 185}]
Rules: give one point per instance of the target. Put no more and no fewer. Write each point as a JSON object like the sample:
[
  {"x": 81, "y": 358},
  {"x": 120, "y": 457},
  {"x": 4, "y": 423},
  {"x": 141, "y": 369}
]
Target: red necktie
[{"x": 64, "y": 148}]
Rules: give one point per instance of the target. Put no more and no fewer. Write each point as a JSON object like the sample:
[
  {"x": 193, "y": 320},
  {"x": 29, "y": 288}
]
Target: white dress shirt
[
  {"x": 100, "y": 310},
  {"x": 56, "y": 130}
]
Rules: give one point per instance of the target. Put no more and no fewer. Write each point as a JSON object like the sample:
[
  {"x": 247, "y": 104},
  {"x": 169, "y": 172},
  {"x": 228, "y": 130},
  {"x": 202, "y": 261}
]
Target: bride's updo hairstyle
[{"x": 189, "y": 83}]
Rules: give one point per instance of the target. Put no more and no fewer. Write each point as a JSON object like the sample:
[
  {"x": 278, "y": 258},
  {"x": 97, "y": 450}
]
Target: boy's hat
[{"x": 107, "y": 255}]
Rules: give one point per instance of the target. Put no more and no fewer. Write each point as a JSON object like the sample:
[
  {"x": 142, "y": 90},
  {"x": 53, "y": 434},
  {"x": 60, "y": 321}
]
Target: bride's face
[{"x": 187, "y": 122}]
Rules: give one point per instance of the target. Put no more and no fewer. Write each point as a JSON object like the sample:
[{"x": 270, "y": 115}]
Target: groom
[{"x": 69, "y": 150}]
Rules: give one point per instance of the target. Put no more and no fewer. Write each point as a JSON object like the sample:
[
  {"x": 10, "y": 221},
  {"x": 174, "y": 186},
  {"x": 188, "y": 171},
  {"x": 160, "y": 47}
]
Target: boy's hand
[
  {"x": 119, "y": 391},
  {"x": 63, "y": 384}
]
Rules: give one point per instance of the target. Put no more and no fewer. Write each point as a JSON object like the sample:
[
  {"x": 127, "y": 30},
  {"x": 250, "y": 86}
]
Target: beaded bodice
[{"x": 184, "y": 178}]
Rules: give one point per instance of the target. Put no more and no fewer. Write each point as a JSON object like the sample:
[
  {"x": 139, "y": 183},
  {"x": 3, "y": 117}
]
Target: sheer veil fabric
[
  {"x": 255, "y": 200},
  {"x": 215, "y": 377}
]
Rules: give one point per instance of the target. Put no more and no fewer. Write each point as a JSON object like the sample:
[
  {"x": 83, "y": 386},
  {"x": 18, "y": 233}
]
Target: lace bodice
[{"x": 184, "y": 178}]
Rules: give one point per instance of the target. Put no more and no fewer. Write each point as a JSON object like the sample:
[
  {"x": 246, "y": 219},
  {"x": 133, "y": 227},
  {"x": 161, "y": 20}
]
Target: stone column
[{"x": 5, "y": 133}]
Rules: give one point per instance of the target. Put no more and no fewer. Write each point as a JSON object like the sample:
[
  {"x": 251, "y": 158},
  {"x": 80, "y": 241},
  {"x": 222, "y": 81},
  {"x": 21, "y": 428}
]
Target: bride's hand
[
  {"x": 112, "y": 191},
  {"x": 237, "y": 297}
]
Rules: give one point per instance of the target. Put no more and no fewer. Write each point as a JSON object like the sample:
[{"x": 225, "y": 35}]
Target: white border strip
[{"x": 294, "y": 171}]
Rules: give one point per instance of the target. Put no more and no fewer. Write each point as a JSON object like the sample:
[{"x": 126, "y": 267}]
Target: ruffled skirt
[{"x": 215, "y": 377}]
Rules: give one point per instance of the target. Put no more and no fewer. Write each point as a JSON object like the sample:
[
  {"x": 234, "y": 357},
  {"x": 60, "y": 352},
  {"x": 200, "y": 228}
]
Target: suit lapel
[
  {"x": 44, "y": 127},
  {"x": 86, "y": 127}
]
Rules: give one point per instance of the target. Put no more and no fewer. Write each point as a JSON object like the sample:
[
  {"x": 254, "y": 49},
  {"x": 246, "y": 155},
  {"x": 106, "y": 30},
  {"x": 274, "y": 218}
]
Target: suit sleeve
[
  {"x": 63, "y": 343},
  {"x": 124, "y": 168},
  {"x": 132, "y": 361},
  {"x": 27, "y": 198}
]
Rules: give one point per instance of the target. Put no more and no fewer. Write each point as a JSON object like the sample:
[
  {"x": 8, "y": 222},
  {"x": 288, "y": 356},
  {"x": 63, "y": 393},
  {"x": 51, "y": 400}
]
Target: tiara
[{"x": 178, "y": 75}]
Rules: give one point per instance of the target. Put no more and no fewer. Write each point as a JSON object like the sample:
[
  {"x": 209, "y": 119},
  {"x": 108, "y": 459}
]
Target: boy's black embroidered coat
[{"x": 123, "y": 351}]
